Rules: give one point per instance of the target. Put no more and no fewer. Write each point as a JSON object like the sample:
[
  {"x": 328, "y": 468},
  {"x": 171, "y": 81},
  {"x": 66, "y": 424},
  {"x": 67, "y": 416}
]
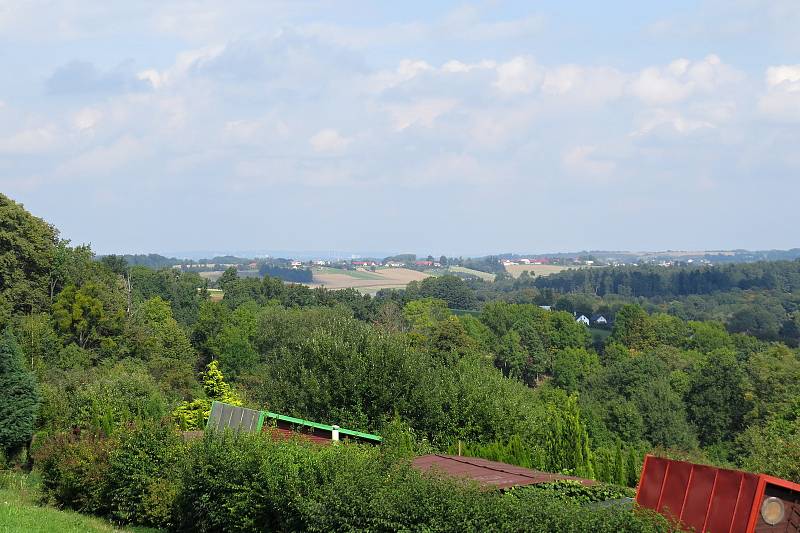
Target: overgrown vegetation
[
  {"x": 103, "y": 362},
  {"x": 251, "y": 483}
]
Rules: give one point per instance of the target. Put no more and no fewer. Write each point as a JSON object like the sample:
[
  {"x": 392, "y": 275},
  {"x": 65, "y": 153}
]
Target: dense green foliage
[
  {"x": 251, "y": 483},
  {"x": 649, "y": 281},
  {"x": 27, "y": 249},
  {"x": 296, "y": 275},
  {"x": 105, "y": 360},
  {"x": 451, "y": 289}
]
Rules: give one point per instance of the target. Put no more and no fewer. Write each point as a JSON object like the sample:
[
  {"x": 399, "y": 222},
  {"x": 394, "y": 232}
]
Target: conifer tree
[{"x": 19, "y": 397}]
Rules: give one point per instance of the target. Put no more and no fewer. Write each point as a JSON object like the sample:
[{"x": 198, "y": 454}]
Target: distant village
[{"x": 244, "y": 264}]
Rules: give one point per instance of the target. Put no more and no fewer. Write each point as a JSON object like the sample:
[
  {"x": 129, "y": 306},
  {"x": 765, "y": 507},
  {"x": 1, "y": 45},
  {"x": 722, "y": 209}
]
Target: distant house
[
  {"x": 297, "y": 264},
  {"x": 423, "y": 263},
  {"x": 545, "y": 307},
  {"x": 395, "y": 264},
  {"x": 525, "y": 261},
  {"x": 600, "y": 320},
  {"x": 583, "y": 320}
]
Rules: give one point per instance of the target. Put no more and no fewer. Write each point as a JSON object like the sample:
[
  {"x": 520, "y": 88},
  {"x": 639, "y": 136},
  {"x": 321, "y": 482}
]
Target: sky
[{"x": 428, "y": 127}]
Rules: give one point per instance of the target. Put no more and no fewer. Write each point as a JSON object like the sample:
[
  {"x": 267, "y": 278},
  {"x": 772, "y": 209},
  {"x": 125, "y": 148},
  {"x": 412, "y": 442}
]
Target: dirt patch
[{"x": 382, "y": 278}]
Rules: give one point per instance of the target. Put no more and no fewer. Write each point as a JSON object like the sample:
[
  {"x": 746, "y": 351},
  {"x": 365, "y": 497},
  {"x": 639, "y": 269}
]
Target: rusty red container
[{"x": 718, "y": 500}]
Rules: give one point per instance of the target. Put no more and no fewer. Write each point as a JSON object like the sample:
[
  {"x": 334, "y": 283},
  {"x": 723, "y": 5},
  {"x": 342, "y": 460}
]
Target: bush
[
  {"x": 241, "y": 483},
  {"x": 74, "y": 471},
  {"x": 246, "y": 482},
  {"x": 580, "y": 493},
  {"x": 144, "y": 474}
]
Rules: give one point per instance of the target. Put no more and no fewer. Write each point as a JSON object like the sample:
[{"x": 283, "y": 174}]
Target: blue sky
[{"x": 429, "y": 127}]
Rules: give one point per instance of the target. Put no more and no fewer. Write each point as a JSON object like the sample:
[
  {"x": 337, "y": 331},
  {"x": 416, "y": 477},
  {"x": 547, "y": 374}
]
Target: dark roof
[{"x": 488, "y": 473}]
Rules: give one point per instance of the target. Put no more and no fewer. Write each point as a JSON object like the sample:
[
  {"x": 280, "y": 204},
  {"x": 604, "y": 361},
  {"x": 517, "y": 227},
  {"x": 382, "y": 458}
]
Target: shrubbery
[
  {"x": 149, "y": 475},
  {"x": 74, "y": 471}
]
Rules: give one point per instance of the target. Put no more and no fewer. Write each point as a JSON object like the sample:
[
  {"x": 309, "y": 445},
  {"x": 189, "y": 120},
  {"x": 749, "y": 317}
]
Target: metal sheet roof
[{"x": 488, "y": 473}]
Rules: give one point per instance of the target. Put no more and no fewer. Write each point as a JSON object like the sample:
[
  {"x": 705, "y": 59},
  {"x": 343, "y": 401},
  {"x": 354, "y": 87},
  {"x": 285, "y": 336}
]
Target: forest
[{"x": 104, "y": 363}]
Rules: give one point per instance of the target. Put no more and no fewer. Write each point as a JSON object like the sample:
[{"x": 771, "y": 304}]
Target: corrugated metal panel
[
  {"x": 487, "y": 473},
  {"x": 226, "y": 416},
  {"x": 709, "y": 499}
]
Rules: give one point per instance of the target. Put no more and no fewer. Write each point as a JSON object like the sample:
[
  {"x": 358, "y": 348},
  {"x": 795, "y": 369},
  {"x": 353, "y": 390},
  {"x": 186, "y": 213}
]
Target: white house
[
  {"x": 583, "y": 320},
  {"x": 601, "y": 320}
]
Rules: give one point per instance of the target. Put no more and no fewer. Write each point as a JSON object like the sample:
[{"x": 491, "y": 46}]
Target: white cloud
[
  {"x": 783, "y": 73},
  {"x": 454, "y": 66},
  {"x": 406, "y": 70},
  {"x": 329, "y": 141},
  {"x": 86, "y": 119},
  {"x": 780, "y": 100},
  {"x": 519, "y": 75},
  {"x": 152, "y": 76},
  {"x": 658, "y": 119},
  {"x": 680, "y": 79}
]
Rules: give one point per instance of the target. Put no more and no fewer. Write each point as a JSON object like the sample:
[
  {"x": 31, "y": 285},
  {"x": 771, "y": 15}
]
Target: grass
[
  {"x": 20, "y": 512},
  {"x": 486, "y": 276},
  {"x": 215, "y": 295}
]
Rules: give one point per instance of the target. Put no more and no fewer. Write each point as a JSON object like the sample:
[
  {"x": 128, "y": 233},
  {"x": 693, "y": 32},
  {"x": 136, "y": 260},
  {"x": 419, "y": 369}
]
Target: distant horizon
[{"x": 350, "y": 254}]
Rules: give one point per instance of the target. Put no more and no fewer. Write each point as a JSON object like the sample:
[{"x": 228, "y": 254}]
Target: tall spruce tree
[{"x": 19, "y": 397}]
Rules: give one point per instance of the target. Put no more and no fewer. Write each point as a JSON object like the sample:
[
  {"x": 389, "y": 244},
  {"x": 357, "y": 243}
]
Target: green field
[
  {"x": 486, "y": 276},
  {"x": 20, "y": 513}
]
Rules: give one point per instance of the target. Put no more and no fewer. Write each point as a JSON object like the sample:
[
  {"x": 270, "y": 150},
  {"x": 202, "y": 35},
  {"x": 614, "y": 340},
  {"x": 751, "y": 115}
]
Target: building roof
[{"x": 488, "y": 473}]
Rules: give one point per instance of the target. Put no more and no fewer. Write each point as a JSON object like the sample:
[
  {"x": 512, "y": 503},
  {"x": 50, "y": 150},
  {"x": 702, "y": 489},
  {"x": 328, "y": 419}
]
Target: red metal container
[{"x": 717, "y": 500}]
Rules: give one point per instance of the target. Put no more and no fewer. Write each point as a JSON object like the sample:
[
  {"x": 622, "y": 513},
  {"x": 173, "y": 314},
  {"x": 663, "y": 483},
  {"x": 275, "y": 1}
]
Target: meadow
[
  {"x": 20, "y": 511},
  {"x": 485, "y": 276}
]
